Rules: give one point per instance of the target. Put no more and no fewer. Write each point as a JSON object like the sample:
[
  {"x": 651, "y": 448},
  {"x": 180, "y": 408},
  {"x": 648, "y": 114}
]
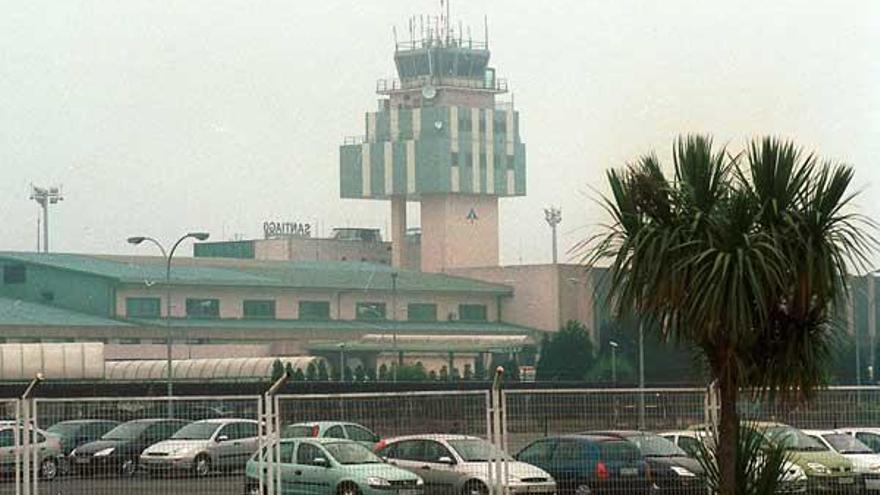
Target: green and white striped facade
[{"x": 435, "y": 150}]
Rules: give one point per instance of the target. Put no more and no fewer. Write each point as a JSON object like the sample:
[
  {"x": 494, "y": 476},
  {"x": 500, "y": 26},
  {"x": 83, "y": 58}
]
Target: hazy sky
[{"x": 163, "y": 117}]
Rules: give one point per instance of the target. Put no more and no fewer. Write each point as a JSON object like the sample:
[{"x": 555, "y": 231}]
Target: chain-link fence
[{"x": 193, "y": 445}]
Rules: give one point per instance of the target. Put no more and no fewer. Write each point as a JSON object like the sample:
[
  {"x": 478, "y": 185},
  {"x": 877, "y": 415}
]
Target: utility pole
[
  {"x": 45, "y": 196},
  {"x": 553, "y": 216}
]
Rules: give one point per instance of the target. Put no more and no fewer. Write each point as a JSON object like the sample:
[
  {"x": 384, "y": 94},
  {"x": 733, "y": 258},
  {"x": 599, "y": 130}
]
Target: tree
[
  {"x": 567, "y": 355},
  {"x": 443, "y": 375},
  {"x": 744, "y": 256},
  {"x": 383, "y": 372},
  {"x": 348, "y": 375},
  {"x": 479, "y": 368},
  {"x": 277, "y": 370},
  {"x": 311, "y": 372},
  {"x": 299, "y": 376},
  {"x": 323, "y": 375},
  {"x": 360, "y": 374},
  {"x": 468, "y": 373}
]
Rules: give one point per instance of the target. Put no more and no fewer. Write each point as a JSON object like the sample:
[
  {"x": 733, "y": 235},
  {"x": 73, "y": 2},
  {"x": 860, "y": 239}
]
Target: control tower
[{"x": 440, "y": 137}]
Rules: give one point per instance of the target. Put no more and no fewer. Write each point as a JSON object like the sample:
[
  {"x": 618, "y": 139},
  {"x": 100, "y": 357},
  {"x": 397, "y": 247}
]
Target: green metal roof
[
  {"x": 445, "y": 327},
  {"x": 327, "y": 275},
  {"x": 15, "y": 312}
]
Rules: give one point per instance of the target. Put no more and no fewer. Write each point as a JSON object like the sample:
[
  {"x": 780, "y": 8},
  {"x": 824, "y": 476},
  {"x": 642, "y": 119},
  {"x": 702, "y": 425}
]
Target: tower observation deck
[{"x": 440, "y": 137}]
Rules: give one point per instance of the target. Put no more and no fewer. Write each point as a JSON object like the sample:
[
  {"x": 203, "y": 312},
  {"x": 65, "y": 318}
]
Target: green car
[
  {"x": 826, "y": 470},
  {"x": 331, "y": 466}
]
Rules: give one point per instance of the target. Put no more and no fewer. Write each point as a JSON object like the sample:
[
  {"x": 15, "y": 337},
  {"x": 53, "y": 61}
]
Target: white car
[
  {"x": 868, "y": 436},
  {"x": 864, "y": 460},
  {"x": 794, "y": 480},
  {"x": 204, "y": 446},
  {"x": 460, "y": 464}
]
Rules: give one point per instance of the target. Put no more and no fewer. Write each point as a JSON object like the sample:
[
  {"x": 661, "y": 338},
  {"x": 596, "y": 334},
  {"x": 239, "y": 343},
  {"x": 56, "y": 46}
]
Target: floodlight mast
[
  {"x": 44, "y": 196},
  {"x": 553, "y": 216}
]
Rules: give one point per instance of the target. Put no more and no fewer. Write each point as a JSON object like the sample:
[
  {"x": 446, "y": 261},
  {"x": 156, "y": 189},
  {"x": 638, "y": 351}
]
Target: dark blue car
[{"x": 590, "y": 464}]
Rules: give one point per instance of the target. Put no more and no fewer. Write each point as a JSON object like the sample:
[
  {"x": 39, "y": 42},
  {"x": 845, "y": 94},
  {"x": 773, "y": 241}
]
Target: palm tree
[{"x": 744, "y": 255}]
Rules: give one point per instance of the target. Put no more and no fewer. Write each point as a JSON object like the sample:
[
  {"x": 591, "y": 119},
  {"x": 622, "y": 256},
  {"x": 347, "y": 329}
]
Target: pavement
[{"x": 138, "y": 485}]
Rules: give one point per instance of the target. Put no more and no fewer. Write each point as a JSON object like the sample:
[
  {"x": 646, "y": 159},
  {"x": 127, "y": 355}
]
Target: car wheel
[
  {"x": 128, "y": 468},
  {"x": 348, "y": 489},
  {"x": 202, "y": 465},
  {"x": 583, "y": 490},
  {"x": 49, "y": 469},
  {"x": 475, "y": 488},
  {"x": 253, "y": 489}
]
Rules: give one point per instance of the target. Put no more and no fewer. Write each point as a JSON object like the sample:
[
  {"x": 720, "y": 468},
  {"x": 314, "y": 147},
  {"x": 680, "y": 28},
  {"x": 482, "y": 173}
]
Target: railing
[
  {"x": 386, "y": 86},
  {"x": 74, "y": 463},
  {"x": 354, "y": 140}
]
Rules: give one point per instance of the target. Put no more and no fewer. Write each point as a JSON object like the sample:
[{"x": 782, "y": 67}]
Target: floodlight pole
[
  {"x": 169, "y": 339},
  {"x": 44, "y": 196},
  {"x": 394, "y": 325},
  {"x": 553, "y": 216},
  {"x": 641, "y": 375}
]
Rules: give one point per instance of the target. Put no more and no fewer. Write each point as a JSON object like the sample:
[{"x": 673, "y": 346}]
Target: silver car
[
  {"x": 459, "y": 464},
  {"x": 47, "y": 446},
  {"x": 203, "y": 447}
]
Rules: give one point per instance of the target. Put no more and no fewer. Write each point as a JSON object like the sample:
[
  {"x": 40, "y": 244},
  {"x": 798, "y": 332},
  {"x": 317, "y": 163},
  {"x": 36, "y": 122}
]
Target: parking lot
[{"x": 526, "y": 415}]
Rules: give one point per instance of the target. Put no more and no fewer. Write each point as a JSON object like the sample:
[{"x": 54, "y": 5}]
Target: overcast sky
[{"x": 163, "y": 117}]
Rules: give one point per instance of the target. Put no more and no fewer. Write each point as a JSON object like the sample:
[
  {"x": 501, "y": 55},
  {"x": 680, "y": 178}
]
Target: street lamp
[
  {"x": 613, "y": 345},
  {"x": 201, "y": 236},
  {"x": 342, "y": 361},
  {"x": 394, "y": 325}
]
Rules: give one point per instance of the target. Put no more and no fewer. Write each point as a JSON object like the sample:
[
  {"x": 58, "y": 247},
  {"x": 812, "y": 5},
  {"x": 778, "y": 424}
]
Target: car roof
[
  {"x": 320, "y": 440},
  {"x": 158, "y": 420},
  {"x": 324, "y": 423},
  {"x": 619, "y": 433},
  {"x": 866, "y": 429},
  {"x": 593, "y": 437},
  {"x": 84, "y": 421},
  {"x": 224, "y": 421},
  {"x": 432, "y": 436},
  {"x": 822, "y": 432}
]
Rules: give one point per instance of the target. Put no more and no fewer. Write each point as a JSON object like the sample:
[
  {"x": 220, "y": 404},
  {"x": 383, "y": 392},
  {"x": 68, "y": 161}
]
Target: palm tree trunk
[{"x": 728, "y": 433}]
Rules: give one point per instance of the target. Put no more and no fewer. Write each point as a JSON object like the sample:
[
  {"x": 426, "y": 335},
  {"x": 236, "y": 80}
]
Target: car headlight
[
  {"x": 420, "y": 482},
  {"x": 105, "y": 452},
  {"x": 793, "y": 472},
  {"x": 818, "y": 467},
  {"x": 682, "y": 471},
  {"x": 377, "y": 482}
]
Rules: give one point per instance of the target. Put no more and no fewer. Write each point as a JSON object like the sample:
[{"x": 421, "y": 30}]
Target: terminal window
[
  {"x": 203, "y": 308},
  {"x": 259, "y": 309},
  {"x": 421, "y": 312},
  {"x": 314, "y": 310},
  {"x": 472, "y": 312},
  {"x": 370, "y": 311},
  {"x": 142, "y": 307},
  {"x": 14, "y": 274}
]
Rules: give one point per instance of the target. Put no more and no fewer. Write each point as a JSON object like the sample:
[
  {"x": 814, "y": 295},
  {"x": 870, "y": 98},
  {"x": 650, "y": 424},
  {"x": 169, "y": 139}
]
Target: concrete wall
[
  {"x": 310, "y": 249},
  {"x": 450, "y": 239},
  {"x": 544, "y": 296}
]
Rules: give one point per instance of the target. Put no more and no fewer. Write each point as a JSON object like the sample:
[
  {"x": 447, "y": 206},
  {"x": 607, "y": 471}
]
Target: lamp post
[
  {"x": 342, "y": 362},
  {"x": 613, "y": 345},
  {"x": 641, "y": 375},
  {"x": 168, "y": 255},
  {"x": 394, "y": 325}
]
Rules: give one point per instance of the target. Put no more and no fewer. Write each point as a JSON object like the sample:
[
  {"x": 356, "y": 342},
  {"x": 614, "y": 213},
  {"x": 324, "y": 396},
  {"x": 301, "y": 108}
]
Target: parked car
[
  {"x": 865, "y": 462},
  {"x": 868, "y": 436},
  {"x": 332, "y": 429},
  {"x": 459, "y": 464},
  {"x": 118, "y": 450},
  {"x": 331, "y": 466},
  {"x": 590, "y": 464},
  {"x": 672, "y": 469},
  {"x": 826, "y": 470},
  {"x": 48, "y": 449},
  {"x": 204, "y": 446},
  {"x": 77, "y": 432},
  {"x": 794, "y": 479}
]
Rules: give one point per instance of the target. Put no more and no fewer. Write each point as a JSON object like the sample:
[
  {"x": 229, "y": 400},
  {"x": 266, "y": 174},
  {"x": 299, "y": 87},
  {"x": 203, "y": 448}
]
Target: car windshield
[
  {"x": 351, "y": 453},
  {"x": 656, "y": 446},
  {"x": 64, "y": 429},
  {"x": 846, "y": 444},
  {"x": 793, "y": 439},
  {"x": 196, "y": 431},
  {"x": 477, "y": 450},
  {"x": 127, "y": 431}
]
